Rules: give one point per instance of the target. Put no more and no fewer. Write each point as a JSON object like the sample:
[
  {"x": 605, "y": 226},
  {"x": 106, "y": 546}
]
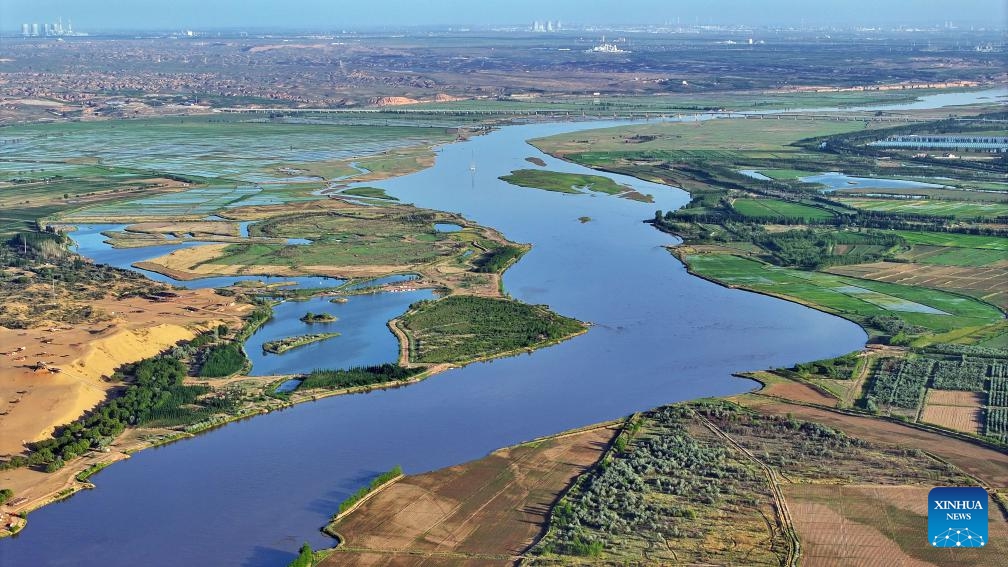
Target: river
[{"x": 251, "y": 492}]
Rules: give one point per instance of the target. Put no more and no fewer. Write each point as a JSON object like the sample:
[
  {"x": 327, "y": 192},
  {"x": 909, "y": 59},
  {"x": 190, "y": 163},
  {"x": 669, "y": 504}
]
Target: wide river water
[{"x": 251, "y": 492}]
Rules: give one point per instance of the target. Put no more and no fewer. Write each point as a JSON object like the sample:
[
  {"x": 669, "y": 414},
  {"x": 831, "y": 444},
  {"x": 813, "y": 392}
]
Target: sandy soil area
[{"x": 35, "y": 399}]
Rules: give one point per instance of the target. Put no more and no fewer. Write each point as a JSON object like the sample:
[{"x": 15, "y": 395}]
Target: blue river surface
[{"x": 251, "y": 492}]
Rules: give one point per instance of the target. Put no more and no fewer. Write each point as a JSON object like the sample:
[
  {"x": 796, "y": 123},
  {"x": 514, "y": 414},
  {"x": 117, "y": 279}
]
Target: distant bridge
[{"x": 578, "y": 114}]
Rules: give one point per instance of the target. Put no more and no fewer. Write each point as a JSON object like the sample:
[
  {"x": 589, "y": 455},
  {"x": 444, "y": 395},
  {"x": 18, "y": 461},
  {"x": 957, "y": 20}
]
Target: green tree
[{"x": 304, "y": 558}]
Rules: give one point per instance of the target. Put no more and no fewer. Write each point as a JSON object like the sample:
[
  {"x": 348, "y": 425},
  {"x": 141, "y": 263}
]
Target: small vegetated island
[
  {"x": 573, "y": 183},
  {"x": 310, "y": 317},
  {"x": 281, "y": 346},
  {"x": 464, "y": 328}
]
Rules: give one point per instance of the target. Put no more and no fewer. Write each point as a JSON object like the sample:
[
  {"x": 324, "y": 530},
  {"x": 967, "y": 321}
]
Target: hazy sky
[{"x": 336, "y": 14}]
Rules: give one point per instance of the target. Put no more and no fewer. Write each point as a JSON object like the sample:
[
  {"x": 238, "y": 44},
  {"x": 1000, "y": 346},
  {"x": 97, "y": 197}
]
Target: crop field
[
  {"x": 957, "y": 209},
  {"x": 463, "y": 328},
  {"x": 876, "y": 525},
  {"x": 856, "y": 298},
  {"x": 955, "y": 240},
  {"x": 773, "y": 208},
  {"x": 931, "y": 193},
  {"x": 483, "y": 512},
  {"x": 962, "y": 411},
  {"x": 563, "y": 182},
  {"x": 957, "y": 256},
  {"x": 987, "y": 283}
]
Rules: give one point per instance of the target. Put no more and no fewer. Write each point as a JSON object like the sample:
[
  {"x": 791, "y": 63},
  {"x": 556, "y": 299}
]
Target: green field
[
  {"x": 955, "y": 240},
  {"x": 964, "y": 257},
  {"x": 231, "y": 147},
  {"x": 725, "y": 136},
  {"x": 463, "y": 328},
  {"x": 369, "y": 236},
  {"x": 772, "y": 208},
  {"x": 563, "y": 182},
  {"x": 115, "y": 170},
  {"x": 957, "y": 209},
  {"x": 372, "y": 192},
  {"x": 682, "y": 102},
  {"x": 853, "y": 298}
]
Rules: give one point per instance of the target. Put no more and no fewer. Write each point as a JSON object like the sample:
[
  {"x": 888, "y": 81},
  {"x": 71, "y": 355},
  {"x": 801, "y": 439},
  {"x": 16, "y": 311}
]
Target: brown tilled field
[
  {"x": 962, "y": 411},
  {"x": 485, "y": 512},
  {"x": 989, "y": 283},
  {"x": 792, "y": 390},
  {"x": 878, "y": 525},
  {"x": 969, "y": 420}
]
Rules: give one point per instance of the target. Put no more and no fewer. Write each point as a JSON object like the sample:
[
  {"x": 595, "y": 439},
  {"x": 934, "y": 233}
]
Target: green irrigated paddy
[
  {"x": 976, "y": 257},
  {"x": 957, "y": 209},
  {"x": 125, "y": 169},
  {"x": 955, "y": 240},
  {"x": 228, "y": 147},
  {"x": 855, "y": 298},
  {"x": 772, "y": 208}
]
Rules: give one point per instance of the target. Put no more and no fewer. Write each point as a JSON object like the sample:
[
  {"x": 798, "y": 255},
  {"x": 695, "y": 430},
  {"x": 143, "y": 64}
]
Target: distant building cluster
[
  {"x": 547, "y": 26},
  {"x": 51, "y": 29},
  {"x": 961, "y": 143}
]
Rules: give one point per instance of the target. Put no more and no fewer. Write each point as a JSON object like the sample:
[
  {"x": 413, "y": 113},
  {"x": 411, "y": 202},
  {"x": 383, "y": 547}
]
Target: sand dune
[{"x": 34, "y": 400}]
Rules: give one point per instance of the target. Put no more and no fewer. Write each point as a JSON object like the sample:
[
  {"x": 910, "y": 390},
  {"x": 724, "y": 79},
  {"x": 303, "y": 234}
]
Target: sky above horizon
[{"x": 106, "y": 15}]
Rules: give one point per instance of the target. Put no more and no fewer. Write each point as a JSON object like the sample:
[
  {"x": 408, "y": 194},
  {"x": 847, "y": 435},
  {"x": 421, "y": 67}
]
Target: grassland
[
  {"x": 370, "y": 192},
  {"x": 935, "y": 207},
  {"x": 347, "y": 240},
  {"x": 775, "y": 208},
  {"x": 484, "y": 512},
  {"x": 716, "y": 138},
  {"x": 563, "y": 182},
  {"x": 460, "y": 329}
]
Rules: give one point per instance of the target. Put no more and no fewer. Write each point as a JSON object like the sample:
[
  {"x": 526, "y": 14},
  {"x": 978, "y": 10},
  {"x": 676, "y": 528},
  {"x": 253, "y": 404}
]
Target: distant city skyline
[{"x": 120, "y": 15}]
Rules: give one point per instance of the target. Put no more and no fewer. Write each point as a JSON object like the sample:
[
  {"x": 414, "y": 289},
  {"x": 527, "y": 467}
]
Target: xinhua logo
[{"x": 957, "y": 517}]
